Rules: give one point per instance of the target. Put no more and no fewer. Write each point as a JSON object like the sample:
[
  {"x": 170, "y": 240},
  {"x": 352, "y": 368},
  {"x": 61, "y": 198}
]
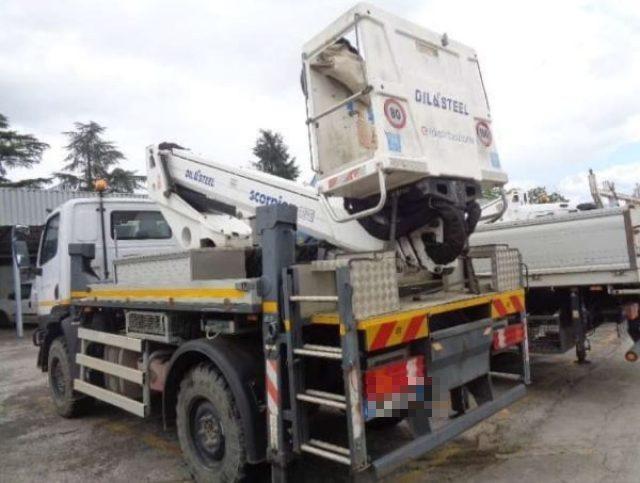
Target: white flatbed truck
[
  {"x": 582, "y": 268},
  {"x": 246, "y": 330}
]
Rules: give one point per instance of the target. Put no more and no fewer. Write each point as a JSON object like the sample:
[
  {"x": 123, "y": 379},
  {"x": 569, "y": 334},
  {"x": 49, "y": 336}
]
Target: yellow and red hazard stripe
[
  {"x": 385, "y": 332},
  {"x": 507, "y": 304},
  {"x": 403, "y": 327}
]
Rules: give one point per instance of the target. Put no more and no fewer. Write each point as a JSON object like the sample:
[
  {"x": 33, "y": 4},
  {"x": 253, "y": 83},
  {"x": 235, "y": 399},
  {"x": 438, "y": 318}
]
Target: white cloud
[
  {"x": 561, "y": 82},
  {"x": 562, "y": 76}
]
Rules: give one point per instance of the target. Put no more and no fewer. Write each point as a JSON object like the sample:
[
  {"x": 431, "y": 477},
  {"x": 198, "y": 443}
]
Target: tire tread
[{"x": 206, "y": 376}]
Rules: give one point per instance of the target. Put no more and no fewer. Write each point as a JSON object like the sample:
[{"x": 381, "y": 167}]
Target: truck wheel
[
  {"x": 209, "y": 428},
  {"x": 68, "y": 403}
]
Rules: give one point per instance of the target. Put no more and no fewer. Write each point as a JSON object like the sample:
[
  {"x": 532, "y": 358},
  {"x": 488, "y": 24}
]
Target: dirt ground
[{"x": 577, "y": 423}]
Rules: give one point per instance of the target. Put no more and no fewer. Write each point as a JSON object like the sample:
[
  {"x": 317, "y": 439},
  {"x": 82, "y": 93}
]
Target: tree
[
  {"x": 125, "y": 181},
  {"x": 19, "y": 151},
  {"x": 91, "y": 158},
  {"x": 273, "y": 156},
  {"x": 31, "y": 183},
  {"x": 539, "y": 195},
  {"x": 492, "y": 193}
]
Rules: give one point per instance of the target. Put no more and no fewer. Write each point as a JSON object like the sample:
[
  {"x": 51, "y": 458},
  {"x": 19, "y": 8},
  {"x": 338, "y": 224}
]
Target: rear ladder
[{"x": 300, "y": 395}]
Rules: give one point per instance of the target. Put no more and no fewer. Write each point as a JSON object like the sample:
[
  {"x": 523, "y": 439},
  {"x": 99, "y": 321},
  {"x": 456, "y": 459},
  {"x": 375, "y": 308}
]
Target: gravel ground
[{"x": 577, "y": 423}]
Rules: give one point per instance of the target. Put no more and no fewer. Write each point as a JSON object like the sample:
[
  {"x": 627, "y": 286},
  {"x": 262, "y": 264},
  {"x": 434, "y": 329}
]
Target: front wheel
[
  {"x": 68, "y": 402},
  {"x": 209, "y": 427}
]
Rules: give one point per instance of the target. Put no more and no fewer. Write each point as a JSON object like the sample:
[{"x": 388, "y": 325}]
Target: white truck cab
[{"x": 132, "y": 226}]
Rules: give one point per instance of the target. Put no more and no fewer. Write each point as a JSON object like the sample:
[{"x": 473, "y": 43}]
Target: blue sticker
[
  {"x": 495, "y": 160},
  {"x": 393, "y": 141},
  {"x": 351, "y": 108}
]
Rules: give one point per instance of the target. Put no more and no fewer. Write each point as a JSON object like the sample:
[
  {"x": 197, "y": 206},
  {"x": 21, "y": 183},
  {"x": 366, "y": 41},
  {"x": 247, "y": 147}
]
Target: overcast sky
[{"x": 563, "y": 77}]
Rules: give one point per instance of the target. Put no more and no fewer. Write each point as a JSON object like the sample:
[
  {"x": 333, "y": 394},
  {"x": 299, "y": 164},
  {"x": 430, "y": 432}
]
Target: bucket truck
[{"x": 374, "y": 315}]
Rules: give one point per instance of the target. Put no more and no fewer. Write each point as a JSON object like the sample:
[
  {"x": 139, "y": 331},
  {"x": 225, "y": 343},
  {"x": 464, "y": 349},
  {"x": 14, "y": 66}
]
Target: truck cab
[{"x": 132, "y": 226}]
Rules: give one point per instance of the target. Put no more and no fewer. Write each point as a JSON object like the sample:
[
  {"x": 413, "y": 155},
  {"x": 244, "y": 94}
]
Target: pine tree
[
  {"x": 91, "y": 158},
  {"x": 19, "y": 150},
  {"x": 273, "y": 156}
]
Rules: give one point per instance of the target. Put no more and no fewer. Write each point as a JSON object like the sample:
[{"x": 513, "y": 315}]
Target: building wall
[{"x": 20, "y": 206}]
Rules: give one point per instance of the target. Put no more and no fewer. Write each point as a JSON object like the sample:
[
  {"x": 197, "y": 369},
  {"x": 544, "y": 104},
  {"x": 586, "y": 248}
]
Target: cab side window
[
  {"x": 49, "y": 246},
  {"x": 139, "y": 225}
]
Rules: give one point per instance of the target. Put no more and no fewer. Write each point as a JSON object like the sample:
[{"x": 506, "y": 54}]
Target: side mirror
[{"x": 37, "y": 271}]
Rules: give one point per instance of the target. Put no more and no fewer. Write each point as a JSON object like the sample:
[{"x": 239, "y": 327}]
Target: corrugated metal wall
[{"x": 19, "y": 206}]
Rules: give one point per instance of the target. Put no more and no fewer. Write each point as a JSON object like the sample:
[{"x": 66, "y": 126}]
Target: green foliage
[
  {"x": 31, "y": 183},
  {"x": 539, "y": 195},
  {"x": 491, "y": 193},
  {"x": 18, "y": 150},
  {"x": 273, "y": 156},
  {"x": 124, "y": 181},
  {"x": 91, "y": 158}
]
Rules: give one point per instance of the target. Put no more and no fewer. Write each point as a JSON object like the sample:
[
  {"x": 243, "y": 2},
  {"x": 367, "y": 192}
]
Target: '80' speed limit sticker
[{"x": 394, "y": 112}]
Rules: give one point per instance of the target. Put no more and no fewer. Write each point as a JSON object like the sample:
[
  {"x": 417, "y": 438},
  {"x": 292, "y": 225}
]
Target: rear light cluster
[
  {"x": 508, "y": 336},
  {"x": 394, "y": 386}
]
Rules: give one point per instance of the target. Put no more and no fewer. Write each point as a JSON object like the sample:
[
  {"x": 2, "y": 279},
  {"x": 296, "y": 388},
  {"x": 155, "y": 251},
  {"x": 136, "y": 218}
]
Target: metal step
[
  {"x": 321, "y": 351},
  {"x": 107, "y": 338},
  {"x": 323, "y": 399},
  {"x": 313, "y": 298},
  {"x": 131, "y": 405},
  {"x": 327, "y": 395},
  {"x": 328, "y": 451},
  {"x": 134, "y": 375}
]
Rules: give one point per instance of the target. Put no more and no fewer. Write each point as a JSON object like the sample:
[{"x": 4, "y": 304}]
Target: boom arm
[
  {"x": 378, "y": 126},
  {"x": 207, "y": 200}
]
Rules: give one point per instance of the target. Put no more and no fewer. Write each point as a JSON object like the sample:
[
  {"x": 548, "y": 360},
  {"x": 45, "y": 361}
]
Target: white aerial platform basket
[{"x": 390, "y": 103}]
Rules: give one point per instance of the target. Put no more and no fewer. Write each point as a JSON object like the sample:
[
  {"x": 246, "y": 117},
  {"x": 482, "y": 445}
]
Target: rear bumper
[{"x": 423, "y": 444}]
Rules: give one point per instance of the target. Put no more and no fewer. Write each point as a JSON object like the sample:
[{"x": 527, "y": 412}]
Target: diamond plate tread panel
[
  {"x": 373, "y": 279},
  {"x": 375, "y": 287}
]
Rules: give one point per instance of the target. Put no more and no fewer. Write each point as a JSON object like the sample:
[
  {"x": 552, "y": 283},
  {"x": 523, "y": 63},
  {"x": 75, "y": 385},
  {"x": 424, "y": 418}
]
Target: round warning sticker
[
  {"x": 395, "y": 114},
  {"x": 484, "y": 133}
]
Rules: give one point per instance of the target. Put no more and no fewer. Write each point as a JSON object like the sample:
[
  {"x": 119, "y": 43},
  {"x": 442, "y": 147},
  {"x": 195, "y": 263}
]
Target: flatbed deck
[{"x": 228, "y": 296}]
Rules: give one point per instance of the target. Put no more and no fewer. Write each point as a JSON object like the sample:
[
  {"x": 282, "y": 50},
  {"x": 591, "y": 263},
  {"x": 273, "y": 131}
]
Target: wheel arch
[
  {"x": 53, "y": 325},
  {"x": 241, "y": 364}
]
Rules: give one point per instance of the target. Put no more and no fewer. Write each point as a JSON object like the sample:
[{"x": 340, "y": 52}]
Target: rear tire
[
  {"x": 68, "y": 403},
  {"x": 209, "y": 427}
]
